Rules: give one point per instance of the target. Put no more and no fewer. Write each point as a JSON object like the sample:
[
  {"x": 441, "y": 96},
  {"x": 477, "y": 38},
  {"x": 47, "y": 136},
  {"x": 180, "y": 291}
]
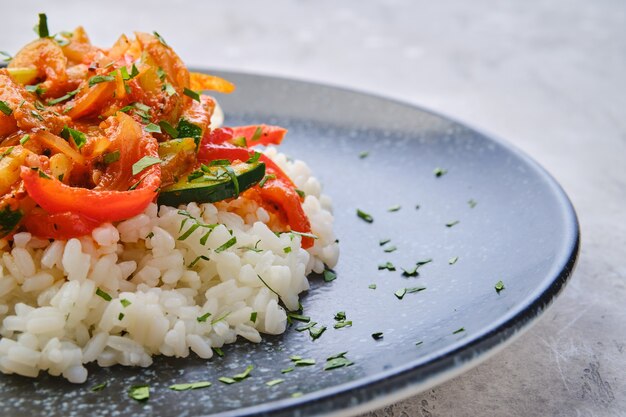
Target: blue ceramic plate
[{"x": 494, "y": 215}]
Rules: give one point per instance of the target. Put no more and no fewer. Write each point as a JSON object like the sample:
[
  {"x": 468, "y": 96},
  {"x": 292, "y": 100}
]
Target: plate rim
[{"x": 347, "y": 398}]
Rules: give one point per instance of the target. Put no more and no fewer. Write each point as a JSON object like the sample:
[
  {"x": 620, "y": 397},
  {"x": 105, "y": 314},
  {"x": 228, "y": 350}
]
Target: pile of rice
[{"x": 53, "y": 295}]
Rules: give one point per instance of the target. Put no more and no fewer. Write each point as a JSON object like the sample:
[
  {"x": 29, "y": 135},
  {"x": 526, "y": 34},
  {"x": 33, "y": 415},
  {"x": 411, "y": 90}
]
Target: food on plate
[{"x": 132, "y": 223}]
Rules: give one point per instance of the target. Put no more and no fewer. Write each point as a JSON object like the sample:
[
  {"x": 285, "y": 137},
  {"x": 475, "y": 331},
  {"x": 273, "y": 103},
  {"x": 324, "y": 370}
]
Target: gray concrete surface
[{"x": 548, "y": 76}]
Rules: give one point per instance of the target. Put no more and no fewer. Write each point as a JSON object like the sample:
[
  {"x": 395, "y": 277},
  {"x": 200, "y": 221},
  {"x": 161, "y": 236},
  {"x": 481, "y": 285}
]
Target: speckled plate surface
[{"x": 522, "y": 230}]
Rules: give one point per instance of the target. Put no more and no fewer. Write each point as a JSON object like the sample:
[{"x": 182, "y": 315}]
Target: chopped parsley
[
  {"x": 340, "y": 315},
  {"x": 41, "y": 28},
  {"x": 457, "y": 331},
  {"x": 110, "y": 157},
  {"x": 337, "y": 361},
  {"x": 306, "y": 327},
  {"x": 372, "y": 286},
  {"x": 418, "y": 343},
  {"x": 390, "y": 249},
  {"x": 266, "y": 178},
  {"x": 97, "y": 79},
  {"x": 99, "y": 387},
  {"x": 6, "y": 55},
  {"x": 254, "y": 158},
  {"x": 230, "y": 242},
  {"x": 218, "y": 351},
  {"x": 299, "y": 317},
  {"x": 189, "y": 386},
  {"x": 36, "y": 115},
  {"x": 499, "y": 286},
  {"x": 169, "y": 129},
  {"x": 453, "y": 260},
  {"x": 4, "y": 108},
  {"x": 36, "y": 89},
  {"x": 187, "y": 129},
  {"x": 414, "y": 289},
  {"x": 440, "y": 172},
  {"x": 342, "y": 324},
  {"x": 105, "y": 296},
  {"x": 203, "y": 318},
  {"x": 244, "y": 374},
  {"x": 253, "y": 316},
  {"x": 413, "y": 272},
  {"x": 453, "y": 223},
  {"x": 377, "y": 335},
  {"x": 387, "y": 265},
  {"x": 364, "y": 154},
  {"x": 24, "y": 139},
  {"x": 160, "y": 38},
  {"x": 143, "y": 163},
  {"x": 79, "y": 138},
  {"x": 120, "y": 316},
  {"x": 400, "y": 293},
  {"x": 364, "y": 216},
  {"x": 316, "y": 332},
  {"x": 300, "y": 193},
  {"x": 67, "y": 96},
  {"x": 383, "y": 242},
  {"x": 274, "y": 382},
  {"x": 125, "y": 303},
  {"x": 472, "y": 203},
  {"x": 139, "y": 392},
  {"x": 152, "y": 128},
  {"x": 397, "y": 207},
  {"x": 287, "y": 370},
  {"x": 190, "y": 93},
  {"x": 329, "y": 275},
  {"x": 257, "y": 134},
  {"x": 299, "y": 361},
  {"x": 226, "y": 380}
]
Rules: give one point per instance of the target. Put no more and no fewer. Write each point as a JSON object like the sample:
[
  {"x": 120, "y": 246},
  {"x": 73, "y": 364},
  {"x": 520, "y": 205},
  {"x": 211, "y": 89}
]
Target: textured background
[{"x": 548, "y": 76}]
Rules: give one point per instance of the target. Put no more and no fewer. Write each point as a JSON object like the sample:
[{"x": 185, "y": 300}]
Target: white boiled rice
[{"x": 54, "y": 305}]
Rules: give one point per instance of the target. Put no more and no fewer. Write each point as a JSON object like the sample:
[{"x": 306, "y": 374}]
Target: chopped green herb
[
  {"x": 274, "y": 382},
  {"x": 24, "y": 139},
  {"x": 149, "y": 235},
  {"x": 454, "y": 223},
  {"x": 192, "y": 94},
  {"x": 189, "y": 386},
  {"x": 297, "y": 394},
  {"x": 38, "y": 90},
  {"x": 287, "y": 249},
  {"x": 268, "y": 287},
  {"x": 304, "y": 362},
  {"x": 453, "y": 260},
  {"x": 294, "y": 358},
  {"x": 439, "y": 172},
  {"x": 4, "y": 108},
  {"x": 253, "y": 316},
  {"x": 390, "y": 249},
  {"x": 203, "y": 318},
  {"x": 7, "y": 56},
  {"x": 189, "y": 231},
  {"x": 316, "y": 332},
  {"x": 387, "y": 265},
  {"x": 266, "y": 178},
  {"x": 219, "y": 352},
  {"x": 499, "y": 286},
  {"x": 79, "y": 138},
  {"x": 125, "y": 303},
  {"x": 415, "y": 289},
  {"x": 254, "y": 158},
  {"x": 310, "y": 235},
  {"x": 221, "y": 318},
  {"x": 287, "y": 370},
  {"x": 9, "y": 219},
  {"x": 160, "y": 38},
  {"x": 169, "y": 129},
  {"x": 120, "y": 316},
  {"x": 97, "y": 79},
  {"x": 372, "y": 286},
  {"x": 364, "y": 154},
  {"x": 152, "y": 128},
  {"x": 299, "y": 317},
  {"x": 99, "y": 387},
  {"x": 143, "y": 163},
  {"x": 383, "y": 242},
  {"x": 300, "y": 193},
  {"x": 417, "y": 207},
  {"x": 342, "y": 324},
  {"x": 400, "y": 293},
  {"x": 413, "y": 272},
  {"x": 36, "y": 115},
  {"x": 240, "y": 141},
  {"x": 244, "y": 374},
  {"x": 462, "y": 329},
  {"x": 227, "y": 380},
  {"x": 41, "y": 28},
  {"x": 111, "y": 157},
  {"x": 306, "y": 327},
  {"x": 67, "y": 96},
  {"x": 472, "y": 203},
  {"x": 60, "y": 177},
  {"x": 340, "y": 315},
  {"x": 43, "y": 174},
  {"x": 227, "y": 245},
  {"x": 337, "y": 362},
  {"x": 233, "y": 178},
  {"x": 169, "y": 89},
  {"x": 198, "y": 259},
  {"x": 394, "y": 208},
  {"x": 418, "y": 343},
  {"x": 329, "y": 275},
  {"x": 139, "y": 392},
  {"x": 377, "y": 335},
  {"x": 103, "y": 295},
  {"x": 364, "y": 216},
  {"x": 257, "y": 134}
]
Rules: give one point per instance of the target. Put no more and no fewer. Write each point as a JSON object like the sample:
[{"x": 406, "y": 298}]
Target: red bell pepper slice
[
  {"x": 104, "y": 203},
  {"x": 61, "y": 226},
  {"x": 254, "y": 134}
]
